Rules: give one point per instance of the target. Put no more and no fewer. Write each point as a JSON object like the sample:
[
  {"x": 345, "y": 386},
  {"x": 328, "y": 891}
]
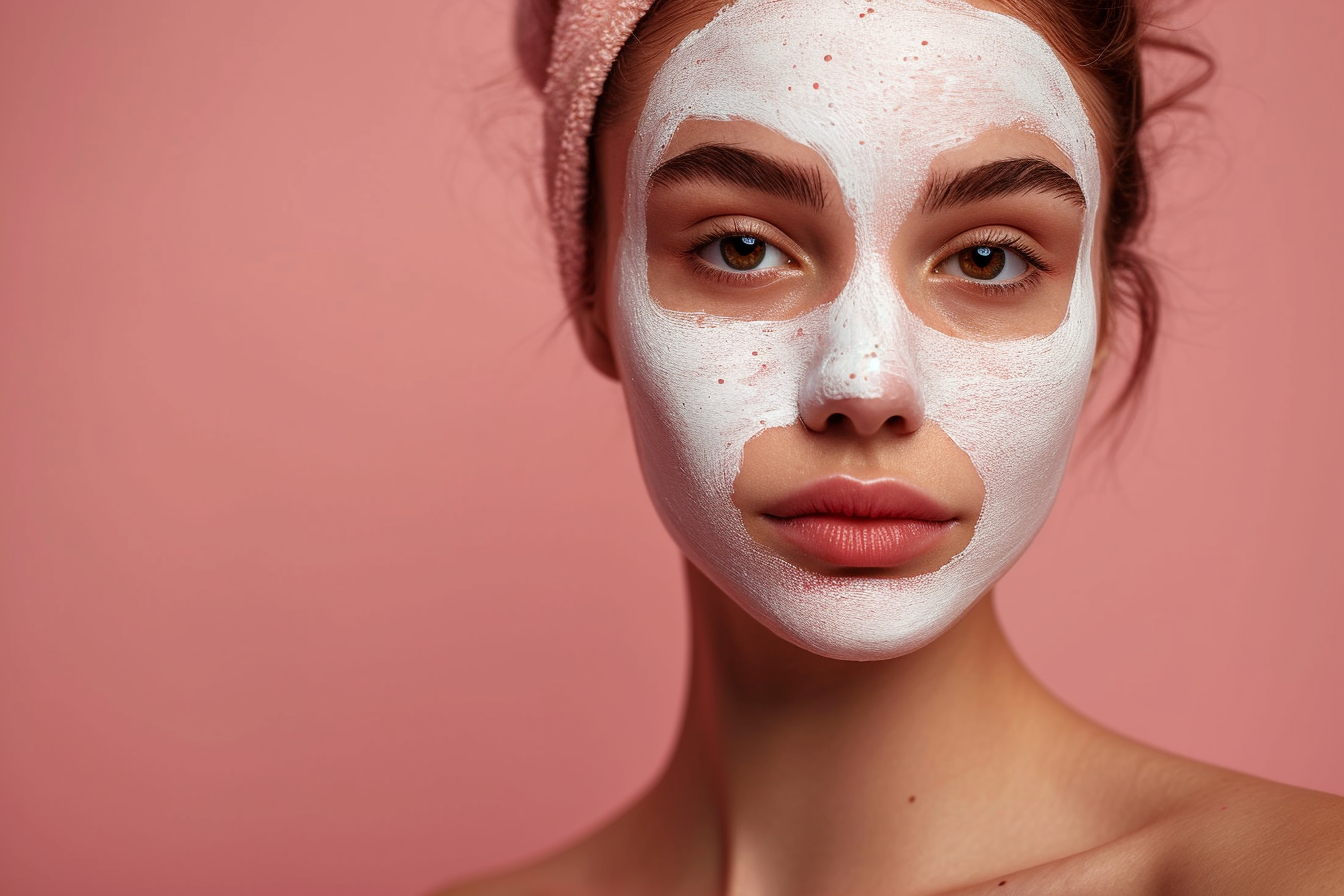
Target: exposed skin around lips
[{"x": 948, "y": 769}]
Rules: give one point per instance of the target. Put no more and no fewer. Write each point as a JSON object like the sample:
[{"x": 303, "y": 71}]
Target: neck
[{"x": 802, "y": 774}]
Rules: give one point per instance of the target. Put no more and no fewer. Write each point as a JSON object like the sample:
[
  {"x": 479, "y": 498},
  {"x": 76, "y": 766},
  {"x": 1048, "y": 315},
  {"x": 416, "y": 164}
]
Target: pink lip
[{"x": 849, "y": 522}]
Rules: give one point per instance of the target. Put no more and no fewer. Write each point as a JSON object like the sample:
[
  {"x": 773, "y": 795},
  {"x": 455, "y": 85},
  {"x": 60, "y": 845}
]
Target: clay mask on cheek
[{"x": 878, "y": 92}]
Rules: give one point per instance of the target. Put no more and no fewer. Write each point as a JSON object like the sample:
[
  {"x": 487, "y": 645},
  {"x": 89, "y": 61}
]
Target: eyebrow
[
  {"x": 1004, "y": 177},
  {"x": 738, "y": 167}
]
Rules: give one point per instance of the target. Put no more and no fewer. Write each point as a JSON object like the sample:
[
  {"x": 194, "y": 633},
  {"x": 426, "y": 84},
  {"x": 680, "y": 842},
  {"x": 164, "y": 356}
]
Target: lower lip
[{"x": 861, "y": 542}]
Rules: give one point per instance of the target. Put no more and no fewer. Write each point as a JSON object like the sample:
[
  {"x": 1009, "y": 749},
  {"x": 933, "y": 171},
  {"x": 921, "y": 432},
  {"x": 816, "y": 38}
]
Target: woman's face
[{"x": 851, "y": 300}]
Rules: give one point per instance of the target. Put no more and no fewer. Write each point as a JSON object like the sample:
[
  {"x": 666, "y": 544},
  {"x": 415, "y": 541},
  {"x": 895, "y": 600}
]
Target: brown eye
[
  {"x": 992, "y": 265},
  {"x": 742, "y": 253},
  {"x": 982, "y": 262}
]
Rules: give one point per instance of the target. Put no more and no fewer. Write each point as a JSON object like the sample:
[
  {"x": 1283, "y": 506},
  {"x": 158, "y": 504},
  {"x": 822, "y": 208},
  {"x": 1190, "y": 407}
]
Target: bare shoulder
[
  {"x": 1238, "y": 834},
  {"x": 612, "y": 858},
  {"x": 556, "y": 875},
  {"x": 533, "y": 880},
  {"x": 1208, "y": 831}
]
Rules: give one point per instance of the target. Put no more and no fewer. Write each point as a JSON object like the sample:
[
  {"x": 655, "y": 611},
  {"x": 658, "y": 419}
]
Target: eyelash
[
  {"x": 725, "y": 230},
  {"x": 999, "y": 239},
  {"x": 1002, "y": 239}
]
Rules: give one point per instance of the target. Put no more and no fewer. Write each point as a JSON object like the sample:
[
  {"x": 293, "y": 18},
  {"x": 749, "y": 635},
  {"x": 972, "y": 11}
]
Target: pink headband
[{"x": 575, "y": 43}]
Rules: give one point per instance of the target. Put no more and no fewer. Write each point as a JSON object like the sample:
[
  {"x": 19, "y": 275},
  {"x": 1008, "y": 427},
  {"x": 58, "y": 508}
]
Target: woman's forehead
[
  {"x": 879, "y": 91},
  {"x": 1012, "y": 142}
]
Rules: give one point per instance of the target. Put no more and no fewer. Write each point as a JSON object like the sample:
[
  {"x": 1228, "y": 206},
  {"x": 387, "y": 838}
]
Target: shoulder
[
  {"x": 1246, "y": 835},
  {"x": 1216, "y": 832},
  {"x": 594, "y": 863},
  {"x": 534, "y": 880}
]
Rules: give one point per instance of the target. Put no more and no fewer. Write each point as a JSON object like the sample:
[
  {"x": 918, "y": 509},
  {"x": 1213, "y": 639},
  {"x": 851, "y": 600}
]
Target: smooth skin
[{"x": 949, "y": 770}]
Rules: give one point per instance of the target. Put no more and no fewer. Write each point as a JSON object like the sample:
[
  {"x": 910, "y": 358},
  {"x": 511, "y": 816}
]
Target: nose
[
  {"x": 863, "y": 375},
  {"x": 882, "y": 399}
]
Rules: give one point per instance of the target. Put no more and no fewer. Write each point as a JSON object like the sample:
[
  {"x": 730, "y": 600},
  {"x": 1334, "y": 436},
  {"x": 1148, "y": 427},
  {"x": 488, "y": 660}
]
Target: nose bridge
[{"x": 864, "y": 368}]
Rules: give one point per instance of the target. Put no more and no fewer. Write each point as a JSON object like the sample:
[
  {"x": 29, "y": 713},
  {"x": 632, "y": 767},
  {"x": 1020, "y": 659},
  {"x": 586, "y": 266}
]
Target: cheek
[{"x": 704, "y": 386}]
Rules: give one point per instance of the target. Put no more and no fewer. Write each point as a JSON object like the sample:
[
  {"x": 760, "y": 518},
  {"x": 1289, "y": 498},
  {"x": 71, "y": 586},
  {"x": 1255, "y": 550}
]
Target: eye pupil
[
  {"x": 982, "y": 262},
  {"x": 742, "y": 252}
]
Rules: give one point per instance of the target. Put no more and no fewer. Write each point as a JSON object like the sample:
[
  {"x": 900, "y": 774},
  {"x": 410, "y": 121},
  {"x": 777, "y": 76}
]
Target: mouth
[{"x": 846, "y": 522}]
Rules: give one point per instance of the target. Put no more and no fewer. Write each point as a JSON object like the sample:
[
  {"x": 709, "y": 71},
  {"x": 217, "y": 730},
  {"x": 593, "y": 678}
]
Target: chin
[
  {"x": 857, "y": 618},
  {"x": 843, "y": 645}
]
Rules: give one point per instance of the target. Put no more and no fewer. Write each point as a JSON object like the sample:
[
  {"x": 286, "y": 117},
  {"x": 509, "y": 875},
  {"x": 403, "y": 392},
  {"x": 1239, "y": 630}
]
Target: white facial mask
[{"x": 899, "y": 81}]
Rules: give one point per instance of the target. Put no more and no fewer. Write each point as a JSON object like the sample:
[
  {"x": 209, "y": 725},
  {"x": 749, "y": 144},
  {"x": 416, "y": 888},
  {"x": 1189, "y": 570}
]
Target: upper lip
[{"x": 863, "y": 499}]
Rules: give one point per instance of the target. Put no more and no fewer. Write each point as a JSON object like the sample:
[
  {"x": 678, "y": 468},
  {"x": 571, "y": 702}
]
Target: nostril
[
  {"x": 895, "y": 408},
  {"x": 868, "y": 425}
]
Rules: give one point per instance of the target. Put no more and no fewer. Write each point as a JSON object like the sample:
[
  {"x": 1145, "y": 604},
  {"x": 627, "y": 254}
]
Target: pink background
[{"x": 324, "y": 562}]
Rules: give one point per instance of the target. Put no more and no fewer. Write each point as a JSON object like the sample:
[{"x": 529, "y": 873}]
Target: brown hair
[{"x": 1108, "y": 40}]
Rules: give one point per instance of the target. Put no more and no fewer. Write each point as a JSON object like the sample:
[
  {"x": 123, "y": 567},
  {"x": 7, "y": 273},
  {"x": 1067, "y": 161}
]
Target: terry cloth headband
[{"x": 567, "y": 48}]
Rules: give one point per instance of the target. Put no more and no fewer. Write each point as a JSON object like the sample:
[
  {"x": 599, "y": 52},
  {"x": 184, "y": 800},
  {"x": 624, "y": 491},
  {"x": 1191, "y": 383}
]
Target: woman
[{"x": 854, "y": 264}]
